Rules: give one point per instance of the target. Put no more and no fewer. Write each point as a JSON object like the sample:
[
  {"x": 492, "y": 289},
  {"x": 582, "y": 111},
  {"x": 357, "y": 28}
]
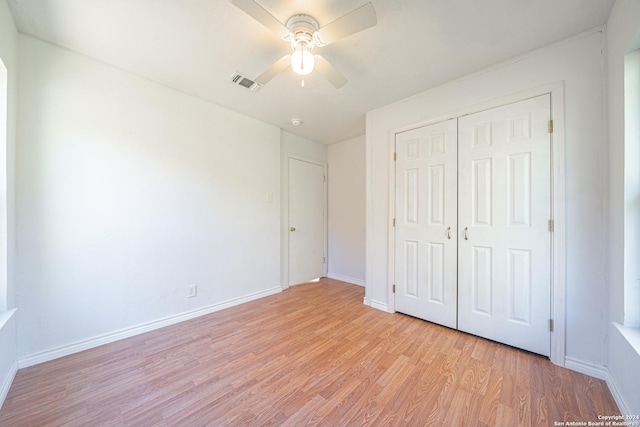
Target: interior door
[
  {"x": 425, "y": 245},
  {"x": 306, "y": 221},
  {"x": 504, "y": 198}
]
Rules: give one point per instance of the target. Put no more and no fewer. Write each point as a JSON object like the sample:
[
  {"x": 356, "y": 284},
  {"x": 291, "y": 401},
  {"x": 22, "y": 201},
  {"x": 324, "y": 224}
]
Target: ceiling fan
[{"x": 304, "y": 34}]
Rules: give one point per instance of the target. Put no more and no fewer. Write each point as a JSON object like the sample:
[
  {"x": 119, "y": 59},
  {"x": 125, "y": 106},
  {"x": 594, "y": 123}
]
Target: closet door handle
[
  {"x": 466, "y": 234},
  {"x": 449, "y": 233}
]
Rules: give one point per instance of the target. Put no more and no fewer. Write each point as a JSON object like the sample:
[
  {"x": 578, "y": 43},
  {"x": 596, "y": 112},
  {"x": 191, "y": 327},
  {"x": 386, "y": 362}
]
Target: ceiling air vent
[{"x": 240, "y": 80}]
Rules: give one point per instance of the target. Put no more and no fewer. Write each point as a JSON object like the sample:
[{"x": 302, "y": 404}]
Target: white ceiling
[{"x": 195, "y": 46}]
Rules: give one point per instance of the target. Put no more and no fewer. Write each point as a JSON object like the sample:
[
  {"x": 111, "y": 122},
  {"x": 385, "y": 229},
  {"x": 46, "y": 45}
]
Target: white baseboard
[
  {"x": 600, "y": 372},
  {"x": 8, "y": 380},
  {"x": 617, "y": 396},
  {"x": 347, "y": 279},
  {"x": 587, "y": 368},
  {"x": 380, "y": 305},
  {"x": 47, "y": 355}
]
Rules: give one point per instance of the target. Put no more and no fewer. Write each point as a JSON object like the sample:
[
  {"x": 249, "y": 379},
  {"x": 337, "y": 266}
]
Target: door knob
[{"x": 293, "y": 229}]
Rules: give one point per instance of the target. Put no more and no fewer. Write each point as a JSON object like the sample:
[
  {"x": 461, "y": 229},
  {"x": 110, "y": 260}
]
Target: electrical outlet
[{"x": 191, "y": 291}]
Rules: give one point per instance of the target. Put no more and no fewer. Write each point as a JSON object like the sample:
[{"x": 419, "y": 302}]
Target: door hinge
[
  {"x": 394, "y": 288},
  {"x": 551, "y": 226},
  {"x": 550, "y": 126},
  {"x": 394, "y": 222},
  {"x": 324, "y": 260},
  {"x": 324, "y": 178},
  {"x": 394, "y": 156},
  {"x": 550, "y": 325}
]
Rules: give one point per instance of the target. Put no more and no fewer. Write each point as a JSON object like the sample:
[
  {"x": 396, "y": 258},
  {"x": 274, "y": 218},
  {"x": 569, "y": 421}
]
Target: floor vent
[{"x": 240, "y": 80}]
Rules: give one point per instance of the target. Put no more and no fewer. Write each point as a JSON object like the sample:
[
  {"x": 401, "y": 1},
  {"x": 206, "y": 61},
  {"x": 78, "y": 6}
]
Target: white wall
[
  {"x": 127, "y": 192},
  {"x": 292, "y": 145},
  {"x": 8, "y": 340},
  {"x": 623, "y": 27},
  {"x": 578, "y": 63},
  {"x": 347, "y": 210}
]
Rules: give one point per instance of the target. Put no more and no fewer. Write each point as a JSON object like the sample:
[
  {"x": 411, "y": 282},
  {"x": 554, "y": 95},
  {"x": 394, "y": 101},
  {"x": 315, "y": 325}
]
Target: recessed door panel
[
  {"x": 519, "y": 128},
  {"x": 411, "y": 263},
  {"x": 412, "y": 187},
  {"x": 436, "y": 195},
  {"x": 482, "y": 191},
  {"x": 482, "y": 277},
  {"x": 519, "y": 189},
  {"x": 436, "y": 273},
  {"x": 519, "y": 286}
]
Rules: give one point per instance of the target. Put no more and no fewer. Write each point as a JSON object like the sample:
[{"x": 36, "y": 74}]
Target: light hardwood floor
[{"x": 313, "y": 354}]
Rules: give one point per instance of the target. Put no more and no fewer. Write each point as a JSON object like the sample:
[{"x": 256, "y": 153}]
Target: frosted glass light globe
[{"x": 302, "y": 61}]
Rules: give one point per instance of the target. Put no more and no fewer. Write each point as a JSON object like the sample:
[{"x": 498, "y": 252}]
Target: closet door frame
[{"x": 558, "y": 262}]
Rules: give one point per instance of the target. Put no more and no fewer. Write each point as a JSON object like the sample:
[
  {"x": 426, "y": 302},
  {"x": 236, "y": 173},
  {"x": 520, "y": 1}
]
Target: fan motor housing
[{"x": 302, "y": 28}]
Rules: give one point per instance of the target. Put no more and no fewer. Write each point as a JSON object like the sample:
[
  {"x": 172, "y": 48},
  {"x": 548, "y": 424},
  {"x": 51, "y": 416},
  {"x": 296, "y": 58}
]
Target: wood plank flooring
[{"x": 312, "y": 355}]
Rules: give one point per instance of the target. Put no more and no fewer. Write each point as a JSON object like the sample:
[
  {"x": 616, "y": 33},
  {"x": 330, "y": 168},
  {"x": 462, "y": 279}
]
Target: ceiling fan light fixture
[
  {"x": 302, "y": 61},
  {"x": 304, "y": 33}
]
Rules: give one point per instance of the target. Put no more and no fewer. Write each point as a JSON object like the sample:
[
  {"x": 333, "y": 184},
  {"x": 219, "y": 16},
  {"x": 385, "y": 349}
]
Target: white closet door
[
  {"x": 425, "y": 245},
  {"x": 504, "y": 250}
]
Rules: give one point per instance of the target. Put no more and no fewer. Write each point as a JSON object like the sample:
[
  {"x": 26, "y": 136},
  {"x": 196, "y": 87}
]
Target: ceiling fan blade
[
  {"x": 274, "y": 70},
  {"x": 262, "y": 15},
  {"x": 329, "y": 72},
  {"x": 351, "y": 23}
]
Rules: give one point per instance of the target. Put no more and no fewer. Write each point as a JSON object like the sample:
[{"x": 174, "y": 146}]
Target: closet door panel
[
  {"x": 426, "y": 215},
  {"x": 504, "y": 199}
]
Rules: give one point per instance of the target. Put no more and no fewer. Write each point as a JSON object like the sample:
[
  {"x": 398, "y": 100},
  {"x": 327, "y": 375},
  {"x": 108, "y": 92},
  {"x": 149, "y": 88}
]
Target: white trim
[
  {"x": 13, "y": 369},
  {"x": 558, "y": 262},
  {"x": 306, "y": 159},
  {"x": 558, "y": 237},
  {"x": 369, "y": 219},
  {"x": 587, "y": 368},
  {"x": 391, "y": 231},
  {"x": 600, "y": 372},
  {"x": 632, "y": 335},
  {"x": 325, "y": 219},
  {"x": 380, "y": 306},
  {"x": 352, "y": 280},
  {"x": 5, "y": 316},
  {"x": 325, "y": 215},
  {"x": 617, "y": 395},
  {"x": 8, "y": 380},
  {"x": 65, "y": 350}
]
